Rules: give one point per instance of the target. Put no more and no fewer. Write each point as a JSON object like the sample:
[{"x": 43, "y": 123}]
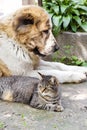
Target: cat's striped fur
[{"x": 41, "y": 94}]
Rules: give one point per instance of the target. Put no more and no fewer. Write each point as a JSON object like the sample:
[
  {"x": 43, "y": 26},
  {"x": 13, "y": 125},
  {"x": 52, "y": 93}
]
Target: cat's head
[{"x": 48, "y": 86}]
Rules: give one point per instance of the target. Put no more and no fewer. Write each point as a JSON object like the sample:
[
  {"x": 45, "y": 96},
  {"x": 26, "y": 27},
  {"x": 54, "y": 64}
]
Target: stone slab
[{"x": 16, "y": 116}]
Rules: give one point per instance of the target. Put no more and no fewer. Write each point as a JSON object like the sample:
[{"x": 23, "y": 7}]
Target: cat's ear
[{"x": 42, "y": 76}]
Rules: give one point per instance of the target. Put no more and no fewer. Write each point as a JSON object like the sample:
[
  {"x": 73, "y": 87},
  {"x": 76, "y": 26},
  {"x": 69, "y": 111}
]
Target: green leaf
[
  {"x": 1, "y": 125},
  {"x": 83, "y": 8},
  {"x": 49, "y": 4},
  {"x": 84, "y": 64},
  {"x": 63, "y": 58},
  {"x": 56, "y": 9},
  {"x": 57, "y": 20},
  {"x": 73, "y": 27},
  {"x": 66, "y": 20},
  {"x": 56, "y": 30},
  {"x": 84, "y": 26},
  {"x": 77, "y": 19},
  {"x": 74, "y": 58},
  {"x": 63, "y": 8},
  {"x": 79, "y": 62},
  {"x": 75, "y": 12},
  {"x": 82, "y": 12}
]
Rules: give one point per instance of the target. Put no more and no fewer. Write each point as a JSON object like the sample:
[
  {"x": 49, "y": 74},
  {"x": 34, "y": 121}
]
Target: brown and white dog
[{"x": 25, "y": 37}]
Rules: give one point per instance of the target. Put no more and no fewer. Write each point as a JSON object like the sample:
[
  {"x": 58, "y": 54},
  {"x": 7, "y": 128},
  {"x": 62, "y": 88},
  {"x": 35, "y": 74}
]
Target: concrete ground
[{"x": 16, "y": 116}]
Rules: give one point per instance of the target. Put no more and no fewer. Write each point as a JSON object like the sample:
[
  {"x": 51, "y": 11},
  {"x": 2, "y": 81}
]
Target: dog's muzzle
[{"x": 36, "y": 51}]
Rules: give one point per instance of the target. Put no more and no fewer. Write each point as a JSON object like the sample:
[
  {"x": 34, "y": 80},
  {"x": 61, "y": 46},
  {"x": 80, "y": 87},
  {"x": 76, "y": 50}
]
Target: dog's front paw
[
  {"x": 71, "y": 77},
  {"x": 82, "y": 70},
  {"x": 78, "y": 69},
  {"x": 77, "y": 77}
]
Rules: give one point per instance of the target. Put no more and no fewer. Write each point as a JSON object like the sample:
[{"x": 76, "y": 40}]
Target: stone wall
[{"x": 72, "y": 44}]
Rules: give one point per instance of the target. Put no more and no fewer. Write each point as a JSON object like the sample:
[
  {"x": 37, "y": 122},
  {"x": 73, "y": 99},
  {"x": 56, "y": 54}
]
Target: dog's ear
[{"x": 20, "y": 23}]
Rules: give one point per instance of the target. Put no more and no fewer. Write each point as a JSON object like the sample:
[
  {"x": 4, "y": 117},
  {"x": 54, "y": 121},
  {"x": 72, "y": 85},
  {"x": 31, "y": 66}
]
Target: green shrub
[
  {"x": 73, "y": 60},
  {"x": 67, "y": 15}
]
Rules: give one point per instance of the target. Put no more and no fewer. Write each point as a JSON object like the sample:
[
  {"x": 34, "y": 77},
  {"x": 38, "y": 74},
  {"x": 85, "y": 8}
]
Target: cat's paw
[{"x": 59, "y": 108}]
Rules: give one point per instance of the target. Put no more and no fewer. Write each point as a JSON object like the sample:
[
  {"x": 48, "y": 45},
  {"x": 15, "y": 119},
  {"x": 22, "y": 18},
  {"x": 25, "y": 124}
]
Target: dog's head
[{"x": 32, "y": 27}]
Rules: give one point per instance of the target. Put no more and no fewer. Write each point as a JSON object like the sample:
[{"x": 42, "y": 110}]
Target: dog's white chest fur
[{"x": 14, "y": 56}]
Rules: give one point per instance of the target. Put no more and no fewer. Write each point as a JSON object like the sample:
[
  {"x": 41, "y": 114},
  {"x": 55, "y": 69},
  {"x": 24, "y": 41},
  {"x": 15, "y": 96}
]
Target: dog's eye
[
  {"x": 46, "y": 31},
  {"x": 27, "y": 21}
]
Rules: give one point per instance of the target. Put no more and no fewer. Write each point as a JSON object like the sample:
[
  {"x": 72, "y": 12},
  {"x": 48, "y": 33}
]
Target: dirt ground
[{"x": 14, "y": 116}]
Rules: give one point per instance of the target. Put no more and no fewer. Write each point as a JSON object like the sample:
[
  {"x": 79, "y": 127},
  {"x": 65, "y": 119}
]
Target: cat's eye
[
  {"x": 40, "y": 85},
  {"x": 52, "y": 81}
]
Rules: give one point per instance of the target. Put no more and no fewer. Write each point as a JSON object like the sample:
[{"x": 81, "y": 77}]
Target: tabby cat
[{"x": 41, "y": 94}]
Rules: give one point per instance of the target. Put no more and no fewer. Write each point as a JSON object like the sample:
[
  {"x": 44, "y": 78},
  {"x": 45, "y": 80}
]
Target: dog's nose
[{"x": 56, "y": 48}]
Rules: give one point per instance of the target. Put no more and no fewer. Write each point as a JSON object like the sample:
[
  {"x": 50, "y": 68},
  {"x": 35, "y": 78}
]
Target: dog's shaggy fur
[{"x": 25, "y": 37}]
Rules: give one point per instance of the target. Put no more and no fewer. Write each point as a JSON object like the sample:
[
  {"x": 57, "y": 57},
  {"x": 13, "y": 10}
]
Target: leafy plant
[
  {"x": 72, "y": 60},
  {"x": 67, "y": 15},
  {"x": 67, "y": 49},
  {"x": 1, "y": 125},
  {"x": 24, "y": 121}
]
